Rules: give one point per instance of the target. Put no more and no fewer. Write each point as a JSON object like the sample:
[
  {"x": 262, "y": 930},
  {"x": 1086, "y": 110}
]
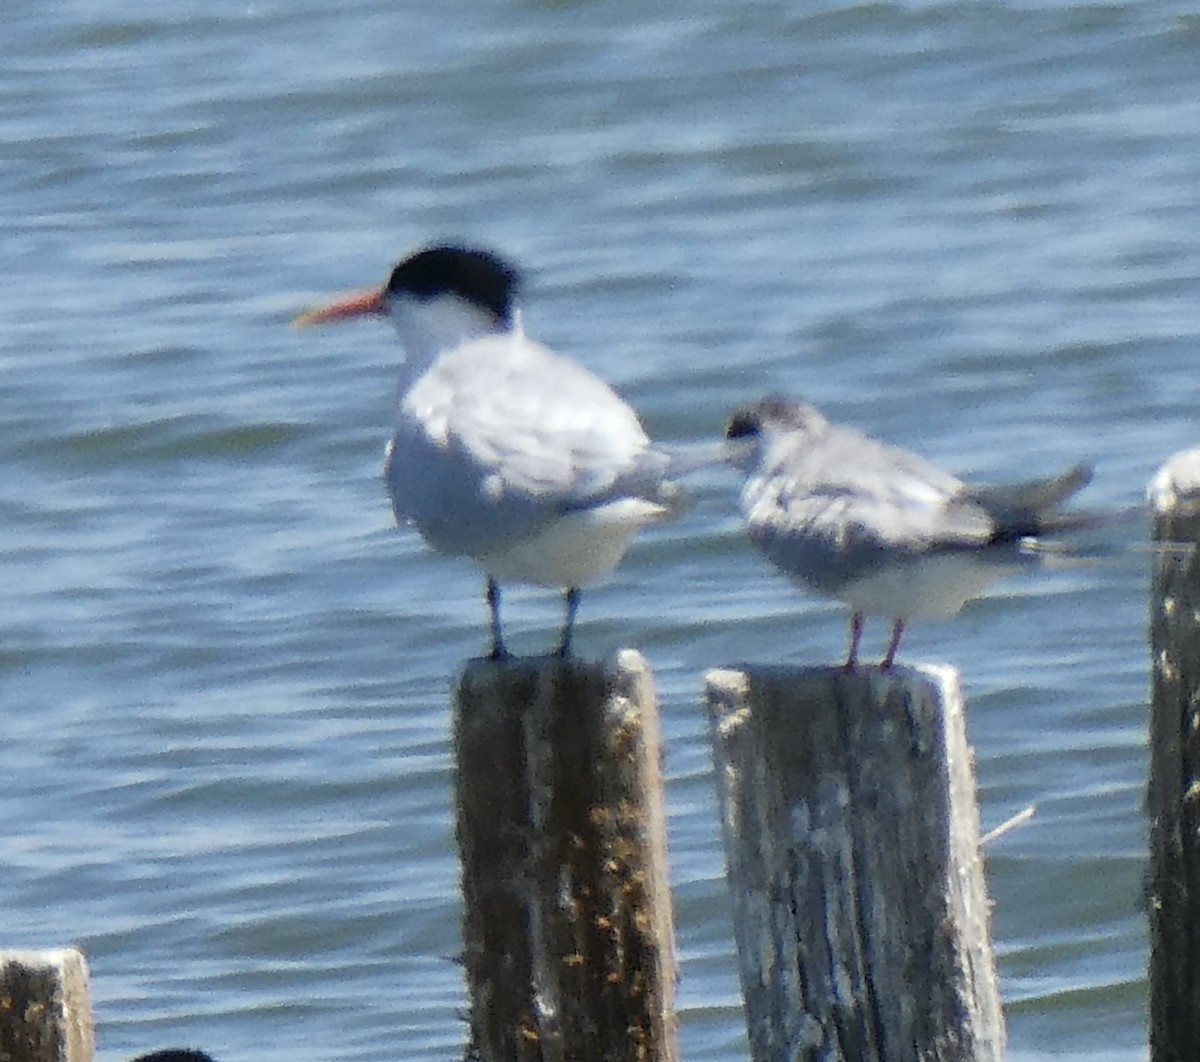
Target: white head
[
  {"x": 444, "y": 296},
  {"x": 752, "y": 430}
]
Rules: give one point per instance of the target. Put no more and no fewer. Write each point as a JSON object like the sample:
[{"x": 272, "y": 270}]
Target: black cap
[
  {"x": 480, "y": 277},
  {"x": 776, "y": 410}
]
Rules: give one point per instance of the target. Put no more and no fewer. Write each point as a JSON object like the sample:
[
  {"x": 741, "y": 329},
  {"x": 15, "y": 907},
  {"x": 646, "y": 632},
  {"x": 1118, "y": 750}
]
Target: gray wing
[
  {"x": 491, "y": 447},
  {"x": 857, "y": 494}
]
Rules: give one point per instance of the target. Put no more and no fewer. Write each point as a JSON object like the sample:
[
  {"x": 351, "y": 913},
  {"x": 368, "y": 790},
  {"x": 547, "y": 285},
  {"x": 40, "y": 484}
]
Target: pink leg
[
  {"x": 889, "y": 658},
  {"x": 856, "y": 629}
]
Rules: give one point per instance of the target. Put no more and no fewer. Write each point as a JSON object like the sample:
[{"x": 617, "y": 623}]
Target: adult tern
[{"x": 504, "y": 451}]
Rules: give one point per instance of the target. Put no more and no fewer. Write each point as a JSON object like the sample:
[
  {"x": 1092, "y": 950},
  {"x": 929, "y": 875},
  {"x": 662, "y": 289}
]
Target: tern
[
  {"x": 504, "y": 451},
  {"x": 881, "y": 528}
]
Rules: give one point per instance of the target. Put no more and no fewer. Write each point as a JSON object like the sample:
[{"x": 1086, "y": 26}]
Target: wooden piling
[
  {"x": 568, "y": 934},
  {"x": 45, "y": 1009},
  {"x": 1174, "y": 785},
  {"x": 852, "y": 846}
]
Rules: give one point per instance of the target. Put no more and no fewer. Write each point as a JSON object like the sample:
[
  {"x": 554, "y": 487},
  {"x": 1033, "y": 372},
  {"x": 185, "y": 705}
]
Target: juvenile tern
[
  {"x": 504, "y": 451},
  {"x": 879, "y": 527}
]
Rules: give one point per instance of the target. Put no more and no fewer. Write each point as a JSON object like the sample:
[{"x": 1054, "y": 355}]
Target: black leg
[
  {"x": 856, "y": 629},
  {"x": 564, "y": 647},
  {"x": 889, "y": 658},
  {"x": 493, "y": 599}
]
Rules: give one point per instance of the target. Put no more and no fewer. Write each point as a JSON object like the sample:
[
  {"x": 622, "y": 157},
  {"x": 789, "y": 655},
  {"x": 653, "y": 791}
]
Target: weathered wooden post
[
  {"x": 568, "y": 935},
  {"x": 45, "y": 1009},
  {"x": 852, "y": 844},
  {"x": 1172, "y": 804}
]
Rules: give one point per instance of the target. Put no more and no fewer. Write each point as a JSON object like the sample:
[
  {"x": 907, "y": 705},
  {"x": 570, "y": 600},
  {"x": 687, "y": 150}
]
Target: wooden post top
[{"x": 45, "y": 1006}]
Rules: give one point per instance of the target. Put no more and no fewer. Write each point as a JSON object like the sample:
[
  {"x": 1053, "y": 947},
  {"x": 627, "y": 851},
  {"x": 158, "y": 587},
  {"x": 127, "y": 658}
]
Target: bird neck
[{"x": 429, "y": 329}]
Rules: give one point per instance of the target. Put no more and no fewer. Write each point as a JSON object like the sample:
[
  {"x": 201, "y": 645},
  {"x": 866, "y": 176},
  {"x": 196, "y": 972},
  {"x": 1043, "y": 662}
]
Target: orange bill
[{"x": 359, "y": 304}]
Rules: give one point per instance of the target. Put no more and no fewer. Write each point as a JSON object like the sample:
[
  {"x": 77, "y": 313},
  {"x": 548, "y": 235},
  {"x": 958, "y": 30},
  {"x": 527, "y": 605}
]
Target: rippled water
[{"x": 969, "y": 228}]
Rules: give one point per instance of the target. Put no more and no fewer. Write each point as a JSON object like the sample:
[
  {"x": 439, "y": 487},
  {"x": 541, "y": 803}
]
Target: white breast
[
  {"x": 576, "y": 549},
  {"x": 935, "y": 585}
]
